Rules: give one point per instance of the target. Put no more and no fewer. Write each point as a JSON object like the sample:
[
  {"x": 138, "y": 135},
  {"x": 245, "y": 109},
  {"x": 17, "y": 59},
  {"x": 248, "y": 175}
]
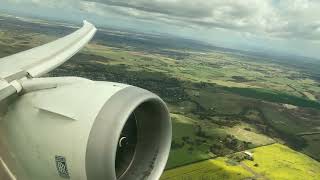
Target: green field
[{"x": 270, "y": 162}]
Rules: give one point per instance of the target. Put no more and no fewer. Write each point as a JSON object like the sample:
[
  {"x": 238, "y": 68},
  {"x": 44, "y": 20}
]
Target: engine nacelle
[{"x": 81, "y": 129}]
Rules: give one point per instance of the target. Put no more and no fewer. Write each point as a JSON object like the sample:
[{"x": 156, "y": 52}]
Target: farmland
[
  {"x": 221, "y": 101},
  {"x": 270, "y": 162}
]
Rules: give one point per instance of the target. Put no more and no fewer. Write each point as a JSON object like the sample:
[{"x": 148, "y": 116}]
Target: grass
[
  {"x": 212, "y": 68},
  {"x": 274, "y": 161},
  {"x": 280, "y": 162},
  {"x": 284, "y": 121},
  {"x": 182, "y": 124},
  {"x": 185, "y": 127},
  {"x": 221, "y": 102},
  {"x": 241, "y": 133},
  {"x": 310, "y": 96},
  {"x": 209, "y": 169},
  {"x": 313, "y": 146},
  {"x": 274, "y": 96}
]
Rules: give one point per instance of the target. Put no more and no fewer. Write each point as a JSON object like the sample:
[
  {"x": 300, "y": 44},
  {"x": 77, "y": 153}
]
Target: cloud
[{"x": 296, "y": 19}]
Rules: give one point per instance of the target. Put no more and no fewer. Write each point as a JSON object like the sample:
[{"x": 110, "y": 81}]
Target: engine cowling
[{"x": 86, "y": 130}]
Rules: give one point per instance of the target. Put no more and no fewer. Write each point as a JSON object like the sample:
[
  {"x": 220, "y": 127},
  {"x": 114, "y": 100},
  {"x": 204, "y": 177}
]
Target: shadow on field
[{"x": 207, "y": 170}]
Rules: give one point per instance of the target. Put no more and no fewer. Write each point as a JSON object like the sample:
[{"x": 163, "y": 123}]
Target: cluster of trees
[
  {"x": 232, "y": 143},
  {"x": 229, "y": 142},
  {"x": 240, "y": 156}
]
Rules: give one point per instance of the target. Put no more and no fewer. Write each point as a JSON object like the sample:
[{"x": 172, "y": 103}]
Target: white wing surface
[{"x": 41, "y": 60}]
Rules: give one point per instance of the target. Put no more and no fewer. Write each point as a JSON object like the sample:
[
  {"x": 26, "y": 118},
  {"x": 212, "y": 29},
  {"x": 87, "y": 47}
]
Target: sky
[{"x": 280, "y": 26}]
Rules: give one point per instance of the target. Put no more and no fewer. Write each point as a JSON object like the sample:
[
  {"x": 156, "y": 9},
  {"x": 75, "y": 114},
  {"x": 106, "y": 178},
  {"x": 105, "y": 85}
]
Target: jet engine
[{"x": 74, "y": 128}]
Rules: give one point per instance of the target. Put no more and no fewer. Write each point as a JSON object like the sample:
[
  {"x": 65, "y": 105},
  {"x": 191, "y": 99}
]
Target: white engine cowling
[{"x": 82, "y": 129}]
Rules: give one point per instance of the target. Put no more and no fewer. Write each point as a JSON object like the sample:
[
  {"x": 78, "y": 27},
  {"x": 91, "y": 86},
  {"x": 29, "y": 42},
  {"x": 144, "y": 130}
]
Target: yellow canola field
[{"x": 270, "y": 162}]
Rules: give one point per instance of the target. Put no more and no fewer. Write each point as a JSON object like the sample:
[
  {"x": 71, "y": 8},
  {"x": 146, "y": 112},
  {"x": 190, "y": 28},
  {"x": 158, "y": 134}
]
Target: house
[{"x": 248, "y": 155}]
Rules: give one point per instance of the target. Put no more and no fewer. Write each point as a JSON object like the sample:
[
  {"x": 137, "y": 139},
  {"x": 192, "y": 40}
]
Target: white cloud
[
  {"x": 284, "y": 19},
  {"x": 297, "y": 19}
]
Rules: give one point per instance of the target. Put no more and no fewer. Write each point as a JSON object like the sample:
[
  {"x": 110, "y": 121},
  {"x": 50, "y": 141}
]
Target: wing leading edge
[{"x": 41, "y": 60}]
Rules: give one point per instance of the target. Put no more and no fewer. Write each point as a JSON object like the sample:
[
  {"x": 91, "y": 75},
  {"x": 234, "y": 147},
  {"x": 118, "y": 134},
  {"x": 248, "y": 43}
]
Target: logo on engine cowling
[{"x": 62, "y": 168}]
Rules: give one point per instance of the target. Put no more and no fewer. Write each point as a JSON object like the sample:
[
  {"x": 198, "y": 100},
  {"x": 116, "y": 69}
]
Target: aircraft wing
[
  {"x": 125, "y": 130},
  {"x": 41, "y": 60}
]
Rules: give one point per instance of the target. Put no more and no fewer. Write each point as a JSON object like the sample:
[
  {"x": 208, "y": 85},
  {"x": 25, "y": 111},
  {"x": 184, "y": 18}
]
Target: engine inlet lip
[{"x": 106, "y": 130}]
